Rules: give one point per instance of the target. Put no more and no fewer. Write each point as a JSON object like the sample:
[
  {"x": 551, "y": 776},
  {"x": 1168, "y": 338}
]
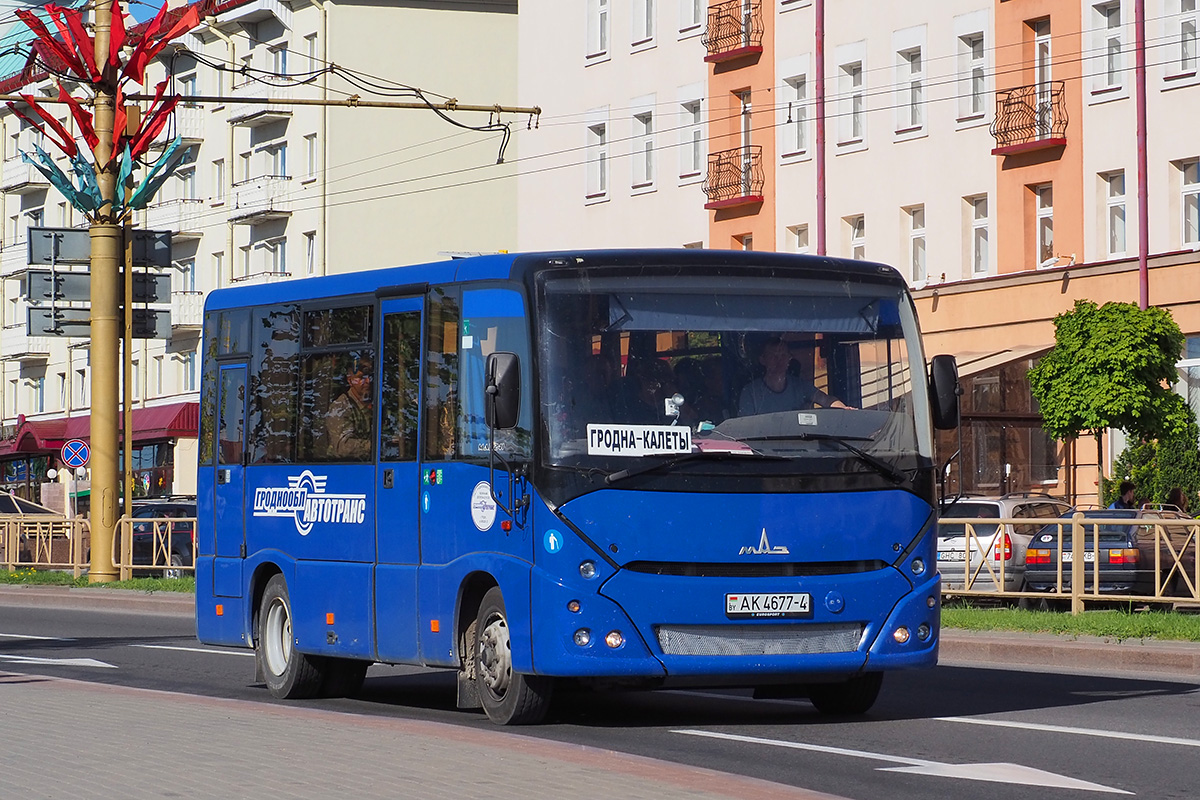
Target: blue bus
[{"x": 629, "y": 468}]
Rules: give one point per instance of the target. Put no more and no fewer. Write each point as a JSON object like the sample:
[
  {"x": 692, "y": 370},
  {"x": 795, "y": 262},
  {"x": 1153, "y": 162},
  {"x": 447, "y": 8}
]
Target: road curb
[
  {"x": 99, "y": 599},
  {"x": 1087, "y": 653}
]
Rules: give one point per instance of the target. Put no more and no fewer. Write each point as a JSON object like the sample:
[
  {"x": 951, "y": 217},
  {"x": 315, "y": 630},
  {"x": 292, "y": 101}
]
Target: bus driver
[
  {"x": 777, "y": 390},
  {"x": 348, "y": 422}
]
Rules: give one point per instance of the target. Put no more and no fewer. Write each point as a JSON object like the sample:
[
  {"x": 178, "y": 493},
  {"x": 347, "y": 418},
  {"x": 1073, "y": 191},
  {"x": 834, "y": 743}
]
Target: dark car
[
  {"x": 1128, "y": 540},
  {"x": 160, "y": 542}
]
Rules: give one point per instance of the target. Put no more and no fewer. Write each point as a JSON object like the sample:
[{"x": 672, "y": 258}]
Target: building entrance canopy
[{"x": 149, "y": 423}]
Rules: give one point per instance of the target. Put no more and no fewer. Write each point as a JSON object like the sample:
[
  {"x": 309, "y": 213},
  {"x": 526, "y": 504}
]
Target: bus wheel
[
  {"x": 855, "y": 696},
  {"x": 288, "y": 674},
  {"x": 508, "y": 698}
]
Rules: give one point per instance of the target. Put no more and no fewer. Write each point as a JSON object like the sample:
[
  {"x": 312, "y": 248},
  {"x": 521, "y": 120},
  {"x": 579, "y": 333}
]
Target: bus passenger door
[
  {"x": 229, "y": 505},
  {"x": 397, "y": 480}
]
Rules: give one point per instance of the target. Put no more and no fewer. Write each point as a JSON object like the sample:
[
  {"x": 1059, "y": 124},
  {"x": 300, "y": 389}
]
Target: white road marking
[
  {"x": 34, "y": 638},
  {"x": 55, "y": 662},
  {"x": 1035, "y": 726},
  {"x": 993, "y": 773},
  {"x": 196, "y": 650}
]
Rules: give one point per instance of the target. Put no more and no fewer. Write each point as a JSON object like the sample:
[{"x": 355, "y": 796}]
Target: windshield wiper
[
  {"x": 719, "y": 455},
  {"x": 882, "y": 467}
]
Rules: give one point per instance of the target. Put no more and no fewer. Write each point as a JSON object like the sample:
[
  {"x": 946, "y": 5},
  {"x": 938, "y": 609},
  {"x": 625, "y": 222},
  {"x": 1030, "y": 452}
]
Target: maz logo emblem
[{"x": 764, "y": 548}]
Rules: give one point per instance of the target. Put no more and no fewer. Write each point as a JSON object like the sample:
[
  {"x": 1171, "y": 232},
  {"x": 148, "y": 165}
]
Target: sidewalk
[{"x": 66, "y": 739}]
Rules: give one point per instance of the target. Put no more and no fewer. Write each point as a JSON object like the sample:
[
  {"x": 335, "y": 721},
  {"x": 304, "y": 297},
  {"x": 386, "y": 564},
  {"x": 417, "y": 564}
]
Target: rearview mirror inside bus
[
  {"x": 944, "y": 391},
  {"x": 502, "y": 390}
]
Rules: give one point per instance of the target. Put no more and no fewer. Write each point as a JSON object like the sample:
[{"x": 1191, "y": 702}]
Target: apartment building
[
  {"x": 269, "y": 190},
  {"x": 988, "y": 149}
]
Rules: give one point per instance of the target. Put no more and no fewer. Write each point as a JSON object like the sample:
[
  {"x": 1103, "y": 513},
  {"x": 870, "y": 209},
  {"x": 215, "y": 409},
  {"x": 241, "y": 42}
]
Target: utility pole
[{"x": 107, "y": 250}]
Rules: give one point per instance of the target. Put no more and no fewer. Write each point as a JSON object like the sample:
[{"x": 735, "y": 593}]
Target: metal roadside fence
[
  {"x": 1106, "y": 560},
  {"x": 165, "y": 546},
  {"x": 45, "y": 543}
]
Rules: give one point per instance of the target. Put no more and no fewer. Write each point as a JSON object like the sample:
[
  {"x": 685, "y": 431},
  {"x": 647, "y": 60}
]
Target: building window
[
  {"x": 1190, "y": 202},
  {"x": 643, "y": 150},
  {"x": 850, "y": 86},
  {"x": 187, "y": 274},
  {"x": 186, "y": 178},
  {"x": 279, "y": 60},
  {"x": 188, "y": 87},
  {"x": 81, "y": 388},
  {"x": 158, "y": 376},
  {"x": 910, "y": 93},
  {"x": 277, "y": 156},
  {"x": 978, "y": 209},
  {"x": 597, "y": 28},
  {"x": 798, "y": 238},
  {"x": 744, "y": 242},
  {"x": 795, "y": 131},
  {"x": 1045, "y": 225},
  {"x": 691, "y": 151},
  {"x": 135, "y": 375},
  {"x": 37, "y": 392},
  {"x": 1114, "y": 193},
  {"x": 1043, "y": 74},
  {"x": 276, "y": 255},
  {"x": 310, "y": 155},
  {"x": 597, "y": 161},
  {"x": 858, "y": 237},
  {"x": 971, "y": 54},
  {"x": 1187, "y": 36},
  {"x": 1107, "y": 27},
  {"x": 310, "y": 253},
  {"x": 691, "y": 15},
  {"x": 916, "y": 243},
  {"x": 310, "y": 50},
  {"x": 218, "y": 173},
  {"x": 188, "y": 372},
  {"x": 643, "y": 21}
]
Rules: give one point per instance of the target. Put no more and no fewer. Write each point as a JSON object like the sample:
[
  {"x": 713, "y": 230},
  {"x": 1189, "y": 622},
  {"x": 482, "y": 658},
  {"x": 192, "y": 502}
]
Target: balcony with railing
[
  {"x": 187, "y": 124},
  {"x": 735, "y": 30},
  {"x": 259, "y": 103},
  {"x": 1030, "y": 118},
  {"x": 21, "y": 178},
  {"x": 259, "y": 278},
  {"x": 260, "y": 199},
  {"x": 187, "y": 310},
  {"x": 181, "y": 216},
  {"x": 735, "y": 178}
]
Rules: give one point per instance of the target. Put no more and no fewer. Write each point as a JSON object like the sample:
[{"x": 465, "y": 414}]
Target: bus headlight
[
  {"x": 588, "y": 569},
  {"x": 918, "y": 566},
  {"x": 583, "y": 637},
  {"x": 923, "y": 631},
  {"x": 614, "y": 639},
  {"x": 900, "y": 635}
]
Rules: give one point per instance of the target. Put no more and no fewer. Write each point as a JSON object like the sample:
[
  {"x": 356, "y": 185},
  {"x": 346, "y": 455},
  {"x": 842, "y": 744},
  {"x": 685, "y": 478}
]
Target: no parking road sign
[{"x": 75, "y": 453}]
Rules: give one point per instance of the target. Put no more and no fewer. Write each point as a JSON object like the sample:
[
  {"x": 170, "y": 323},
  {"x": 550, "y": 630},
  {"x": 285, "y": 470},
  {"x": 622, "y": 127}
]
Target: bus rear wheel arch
[
  {"x": 508, "y": 697},
  {"x": 288, "y": 673}
]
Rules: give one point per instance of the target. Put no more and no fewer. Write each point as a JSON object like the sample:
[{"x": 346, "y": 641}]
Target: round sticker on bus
[
  {"x": 553, "y": 541},
  {"x": 483, "y": 507}
]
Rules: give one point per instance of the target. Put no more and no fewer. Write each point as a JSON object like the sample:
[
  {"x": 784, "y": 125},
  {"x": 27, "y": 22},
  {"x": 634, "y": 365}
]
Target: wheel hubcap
[
  {"x": 277, "y": 638},
  {"x": 495, "y": 656}
]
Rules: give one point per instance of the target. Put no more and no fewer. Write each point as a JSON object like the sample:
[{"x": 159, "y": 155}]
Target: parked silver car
[{"x": 991, "y": 545}]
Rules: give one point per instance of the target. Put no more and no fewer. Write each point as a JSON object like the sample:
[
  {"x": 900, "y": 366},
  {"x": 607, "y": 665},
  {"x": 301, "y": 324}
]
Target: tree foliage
[
  {"x": 1157, "y": 467},
  {"x": 1111, "y": 366}
]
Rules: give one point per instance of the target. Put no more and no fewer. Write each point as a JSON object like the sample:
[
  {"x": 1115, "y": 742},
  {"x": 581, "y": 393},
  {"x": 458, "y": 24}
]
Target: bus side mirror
[
  {"x": 944, "y": 391},
  {"x": 502, "y": 390}
]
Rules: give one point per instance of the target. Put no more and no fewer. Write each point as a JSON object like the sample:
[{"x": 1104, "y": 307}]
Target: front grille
[
  {"x": 757, "y": 640},
  {"x": 694, "y": 569}
]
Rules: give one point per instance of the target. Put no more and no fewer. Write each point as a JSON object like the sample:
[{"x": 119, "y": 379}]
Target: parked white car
[{"x": 990, "y": 545}]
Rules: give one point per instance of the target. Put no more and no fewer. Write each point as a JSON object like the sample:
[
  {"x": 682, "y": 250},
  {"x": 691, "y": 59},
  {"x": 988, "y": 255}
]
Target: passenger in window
[
  {"x": 648, "y": 383},
  {"x": 777, "y": 390},
  {"x": 348, "y": 423}
]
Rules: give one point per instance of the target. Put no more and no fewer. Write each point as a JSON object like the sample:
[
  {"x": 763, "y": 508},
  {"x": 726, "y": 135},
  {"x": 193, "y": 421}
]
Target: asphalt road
[{"x": 932, "y": 734}]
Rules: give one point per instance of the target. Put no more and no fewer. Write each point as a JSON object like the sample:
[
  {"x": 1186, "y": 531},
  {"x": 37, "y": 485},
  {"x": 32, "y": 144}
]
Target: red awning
[{"x": 37, "y": 436}]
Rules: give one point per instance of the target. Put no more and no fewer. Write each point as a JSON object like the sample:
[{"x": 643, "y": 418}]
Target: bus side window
[
  {"x": 441, "y": 375},
  {"x": 399, "y": 386}
]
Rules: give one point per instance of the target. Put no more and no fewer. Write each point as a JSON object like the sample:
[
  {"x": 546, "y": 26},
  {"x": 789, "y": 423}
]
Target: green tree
[
  {"x": 1158, "y": 466},
  {"x": 1111, "y": 367}
]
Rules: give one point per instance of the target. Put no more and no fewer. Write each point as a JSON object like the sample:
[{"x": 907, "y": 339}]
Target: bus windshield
[{"x": 795, "y": 375}]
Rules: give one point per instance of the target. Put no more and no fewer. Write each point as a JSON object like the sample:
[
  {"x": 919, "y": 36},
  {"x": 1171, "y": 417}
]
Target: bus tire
[
  {"x": 852, "y": 697},
  {"x": 289, "y": 675},
  {"x": 508, "y": 697},
  {"x": 343, "y": 677}
]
